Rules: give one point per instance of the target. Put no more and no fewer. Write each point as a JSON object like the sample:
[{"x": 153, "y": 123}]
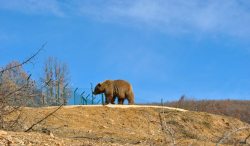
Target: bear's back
[
  {"x": 122, "y": 84},
  {"x": 117, "y": 86}
]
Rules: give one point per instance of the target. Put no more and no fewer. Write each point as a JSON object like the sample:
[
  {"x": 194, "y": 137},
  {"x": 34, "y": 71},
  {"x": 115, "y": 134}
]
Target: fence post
[
  {"x": 86, "y": 99},
  {"x": 64, "y": 87},
  {"x": 81, "y": 96},
  {"x": 92, "y": 101},
  {"x": 75, "y": 96},
  {"x": 102, "y": 100}
]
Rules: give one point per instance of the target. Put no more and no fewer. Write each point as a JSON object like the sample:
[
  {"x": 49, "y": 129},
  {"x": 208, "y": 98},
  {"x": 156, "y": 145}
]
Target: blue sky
[{"x": 165, "y": 48}]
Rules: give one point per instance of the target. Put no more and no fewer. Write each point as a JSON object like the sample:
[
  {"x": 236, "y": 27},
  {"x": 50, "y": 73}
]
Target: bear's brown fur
[{"x": 115, "y": 88}]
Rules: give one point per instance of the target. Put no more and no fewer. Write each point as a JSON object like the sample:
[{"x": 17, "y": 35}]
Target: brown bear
[{"x": 115, "y": 88}]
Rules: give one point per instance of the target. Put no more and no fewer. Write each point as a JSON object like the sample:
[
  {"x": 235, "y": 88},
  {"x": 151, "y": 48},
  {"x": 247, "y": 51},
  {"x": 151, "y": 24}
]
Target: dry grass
[
  {"x": 138, "y": 125},
  {"x": 235, "y": 108}
]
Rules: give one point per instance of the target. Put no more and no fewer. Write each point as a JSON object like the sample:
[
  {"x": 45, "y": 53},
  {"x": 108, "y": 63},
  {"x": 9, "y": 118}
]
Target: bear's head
[{"x": 99, "y": 88}]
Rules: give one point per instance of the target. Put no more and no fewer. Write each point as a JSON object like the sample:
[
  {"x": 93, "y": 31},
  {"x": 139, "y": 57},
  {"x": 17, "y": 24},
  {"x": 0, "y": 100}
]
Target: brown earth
[{"x": 126, "y": 125}]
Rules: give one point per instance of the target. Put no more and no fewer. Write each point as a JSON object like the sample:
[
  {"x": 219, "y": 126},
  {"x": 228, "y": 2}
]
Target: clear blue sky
[{"x": 165, "y": 48}]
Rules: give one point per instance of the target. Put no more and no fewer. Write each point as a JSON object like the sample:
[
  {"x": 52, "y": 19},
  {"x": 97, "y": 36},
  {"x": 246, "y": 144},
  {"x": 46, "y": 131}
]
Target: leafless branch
[
  {"x": 43, "y": 118},
  {"x": 19, "y": 89},
  {"x": 229, "y": 134},
  {"x": 245, "y": 141},
  {"x": 166, "y": 128},
  {"x": 25, "y": 61},
  {"x": 10, "y": 97},
  {"x": 14, "y": 122}
]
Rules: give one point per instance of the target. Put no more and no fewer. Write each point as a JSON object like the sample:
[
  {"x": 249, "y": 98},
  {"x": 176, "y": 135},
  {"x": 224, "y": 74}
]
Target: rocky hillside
[{"x": 125, "y": 125}]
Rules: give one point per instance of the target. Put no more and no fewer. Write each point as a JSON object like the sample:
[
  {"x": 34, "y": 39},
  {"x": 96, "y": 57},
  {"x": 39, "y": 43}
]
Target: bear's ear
[{"x": 99, "y": 84}]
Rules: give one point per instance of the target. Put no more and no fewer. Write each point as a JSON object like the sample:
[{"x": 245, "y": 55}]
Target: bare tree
[
  {"x": 16, "y": 90},
  {"x": 14, "y": 79},
  {"x": 57, "y": 91}
]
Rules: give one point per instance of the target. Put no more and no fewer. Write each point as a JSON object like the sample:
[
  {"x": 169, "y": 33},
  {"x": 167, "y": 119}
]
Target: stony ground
[{"x": 125, "y": 125}]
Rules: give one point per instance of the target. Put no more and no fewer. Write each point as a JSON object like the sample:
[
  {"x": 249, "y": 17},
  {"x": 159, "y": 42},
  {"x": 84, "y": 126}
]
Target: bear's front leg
[
  {"x": 109, "y": 99},
  {"x": 113, "y": 100}
]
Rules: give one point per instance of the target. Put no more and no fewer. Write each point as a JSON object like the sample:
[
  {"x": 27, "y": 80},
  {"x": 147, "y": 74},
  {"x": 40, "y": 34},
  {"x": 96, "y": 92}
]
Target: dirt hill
[{"x": 126, "y": 125}]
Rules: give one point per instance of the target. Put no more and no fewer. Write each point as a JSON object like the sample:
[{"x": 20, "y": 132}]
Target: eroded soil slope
[{"x": 104, "y": 125}]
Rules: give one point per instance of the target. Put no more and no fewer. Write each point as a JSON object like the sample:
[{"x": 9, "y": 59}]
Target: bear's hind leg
[
  {"x": 120, "y": 101},
  {"x": 130, "y": 98},
  {"x": 131, "y": 101}
]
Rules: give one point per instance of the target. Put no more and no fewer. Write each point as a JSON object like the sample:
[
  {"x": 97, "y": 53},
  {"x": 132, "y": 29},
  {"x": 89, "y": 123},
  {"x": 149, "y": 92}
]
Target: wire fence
[{"x": 84, "y": 96}]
